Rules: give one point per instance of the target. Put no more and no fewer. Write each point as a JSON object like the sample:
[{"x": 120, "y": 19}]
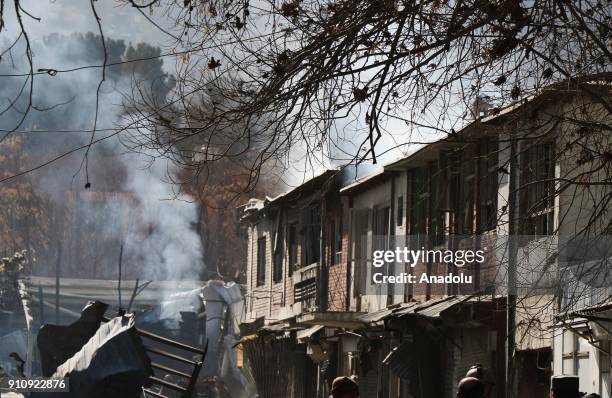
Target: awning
[
  {"x": 336, "y": 319},
  {"x": 391, "y": 311},
  {"x": 430, "y": 309},
  {"x": 597, "y": 319},
  {"x": 437, "y": 307},
  {"x": 407, "y": 308},
  {"x": 275, "y": 328},
  {"x": 585, "y": 312},
  {"x": 307, "y": 333},
  {"x": 377, "y": 316}
]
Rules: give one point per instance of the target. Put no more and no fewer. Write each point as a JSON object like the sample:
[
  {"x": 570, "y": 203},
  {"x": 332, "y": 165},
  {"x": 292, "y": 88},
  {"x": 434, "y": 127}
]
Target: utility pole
[
  {"x": 511, "y": 298},
  {"x": 41, "y": 299},
  {"x": 119, "y": 278}
]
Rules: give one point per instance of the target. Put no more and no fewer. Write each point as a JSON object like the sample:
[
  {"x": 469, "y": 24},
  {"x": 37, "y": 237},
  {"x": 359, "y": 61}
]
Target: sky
[{"x": 119, "y": 20}]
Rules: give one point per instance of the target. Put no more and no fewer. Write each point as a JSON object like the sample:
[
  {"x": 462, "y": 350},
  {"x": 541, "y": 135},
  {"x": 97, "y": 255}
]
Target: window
[
  {"x": 435, "y": 219},
  {"x": 469, "y": 155},
  {"x": 488, "y": 185},
  {"x": 381, "y": 227},
  {"x": 537, "y": 189},
  {"x": 449, "y": 191},
  {"x": 380, "y": 230},
  {"x": 279, "y": 248},
  {"x": 312, "y": 236},
  {"x": 293, "y": 248},
  {"x": 400, "y": 211},
  {"x": 425, "y": 215},
  {"x": 337, "y": 244},
  {"x": 261, "y": 261},
  {"x": 419, "y": 201},
  {"x": 459, "y": 171}
]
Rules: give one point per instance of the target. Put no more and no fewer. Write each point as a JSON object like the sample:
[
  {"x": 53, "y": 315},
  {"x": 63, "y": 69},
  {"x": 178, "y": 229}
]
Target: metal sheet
[
  {"x": 435, "y": 310},
  {"x": 407, "y": 308},
  {"x": 115, "y": 354},
  {"x": 376, "y": 316},
  {"x": 307, "y": 333}
]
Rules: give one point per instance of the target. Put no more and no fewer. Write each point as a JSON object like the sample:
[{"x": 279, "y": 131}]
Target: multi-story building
[
  {"x": 517, "y": 183},
  {"x": 297, "y": 275}
]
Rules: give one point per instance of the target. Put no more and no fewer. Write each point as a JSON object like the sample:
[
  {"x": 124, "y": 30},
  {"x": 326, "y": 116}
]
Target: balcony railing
[{"x": 305, "y": 287}]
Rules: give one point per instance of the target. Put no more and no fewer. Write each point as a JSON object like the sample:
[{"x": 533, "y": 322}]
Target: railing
[
  {"x": 305, "y": 292},
  {"x": 307, "y": 272},
  {"x": 187, "y": 391}
]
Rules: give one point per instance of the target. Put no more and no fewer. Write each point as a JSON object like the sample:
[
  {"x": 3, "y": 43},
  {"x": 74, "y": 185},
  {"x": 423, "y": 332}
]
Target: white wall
[
  {"x": 575, "y": 356},
  {"x": 377, "y": 196}
]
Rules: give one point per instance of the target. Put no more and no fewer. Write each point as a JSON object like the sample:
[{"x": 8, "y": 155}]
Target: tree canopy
[{"x": 301, "y": 73}]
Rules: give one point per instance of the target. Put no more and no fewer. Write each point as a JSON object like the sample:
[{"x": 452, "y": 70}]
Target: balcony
[{"x": 305, "y": 287}]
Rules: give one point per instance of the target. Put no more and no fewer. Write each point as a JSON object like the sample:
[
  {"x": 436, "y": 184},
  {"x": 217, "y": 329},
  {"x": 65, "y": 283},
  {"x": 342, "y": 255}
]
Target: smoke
[
  {"x": 172, "y": 249},
  {"x": 131, "y": 201}
]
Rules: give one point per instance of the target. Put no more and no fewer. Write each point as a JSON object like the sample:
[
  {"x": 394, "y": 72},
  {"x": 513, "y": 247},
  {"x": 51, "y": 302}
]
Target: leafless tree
[{"x": 303, "y": 69}]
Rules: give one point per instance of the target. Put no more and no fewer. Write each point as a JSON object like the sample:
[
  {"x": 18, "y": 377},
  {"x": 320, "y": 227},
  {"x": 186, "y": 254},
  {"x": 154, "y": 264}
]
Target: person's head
[
  {"x": 565, "y": 394},
  {"x": 564, "y": 387},
  {"x": 470, "y": 387},
  {"x": 478, "y": 371},
  {"x": 344, "y": 387}
]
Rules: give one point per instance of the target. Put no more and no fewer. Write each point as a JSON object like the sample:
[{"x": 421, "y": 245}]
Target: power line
[
  {"x": 132, "y": 125},
  {"x": 53, "y": 72},
  {"x": 83, "y": 130}
]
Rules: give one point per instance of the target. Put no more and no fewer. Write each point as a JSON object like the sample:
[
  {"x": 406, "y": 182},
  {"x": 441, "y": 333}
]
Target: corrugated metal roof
[
  {"x": 606, "y": 305},
  {"x": 435, "y": 310},
  {"x": 405, "y": 309},
  {"x": 429, "y": 309},
  {"x": 306, "y": 333},
  {"x": 391, "y": 311},
  {"x": 376, "y": 316}
]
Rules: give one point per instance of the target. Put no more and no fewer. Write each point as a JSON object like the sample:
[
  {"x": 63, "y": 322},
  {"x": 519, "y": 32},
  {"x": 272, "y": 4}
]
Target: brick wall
[
  {"x": 338, "y": 272},
  {"x": 274, "y": 299}
]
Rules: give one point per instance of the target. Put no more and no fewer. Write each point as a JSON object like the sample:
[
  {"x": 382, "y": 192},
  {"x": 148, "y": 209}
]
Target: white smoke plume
[
  {"x": 138, "y": 208},
  {"x": 172, "y": 250}
]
